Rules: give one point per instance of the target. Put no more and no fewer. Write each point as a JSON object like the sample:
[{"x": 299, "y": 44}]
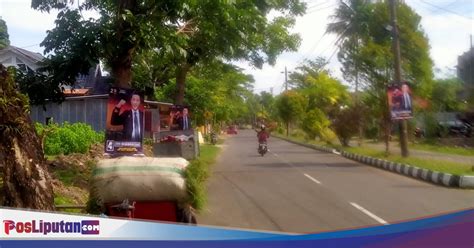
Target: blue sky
[{"x": 448, "y": 30}]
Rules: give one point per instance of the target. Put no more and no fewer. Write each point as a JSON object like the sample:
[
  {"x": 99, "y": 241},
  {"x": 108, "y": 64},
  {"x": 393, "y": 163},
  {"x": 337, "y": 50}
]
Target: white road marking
[
  {"x": 298, "y": 169},
  {"x": 367, "y": 212},
  {"x": 311, "y": 178}
]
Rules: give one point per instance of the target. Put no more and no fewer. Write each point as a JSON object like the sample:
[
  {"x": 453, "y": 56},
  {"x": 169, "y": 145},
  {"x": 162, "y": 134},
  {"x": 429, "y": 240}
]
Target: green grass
[
  {"x": 197, "y": 174},
  {"x": 67, "y": 176},
  {"x": 73, "y": 176},
  {"x": 299, "y": 138},
  {"x": 63, "y": 200},
  {"x": 444, "y": 149},
  {"x": 50, "y": 157},
  {"x": 431, "y": 164}
]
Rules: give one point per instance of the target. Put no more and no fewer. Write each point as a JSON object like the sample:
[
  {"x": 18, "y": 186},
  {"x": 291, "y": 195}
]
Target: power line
[
  {"x": 444, "y": 9},
  {"x": 338, "y": 38},
  {"x": 334, "y": 52},
  {"x": 311, "y": 50},
  {"x": 430, "y": 9},
  {"x": 317, "y": 5},
  {"x": 327, "y": 7}
]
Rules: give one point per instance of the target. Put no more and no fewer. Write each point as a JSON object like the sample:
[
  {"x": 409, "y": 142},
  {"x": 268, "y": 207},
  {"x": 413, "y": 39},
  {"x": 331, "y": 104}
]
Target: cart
[{"x": 168, "y": 211}]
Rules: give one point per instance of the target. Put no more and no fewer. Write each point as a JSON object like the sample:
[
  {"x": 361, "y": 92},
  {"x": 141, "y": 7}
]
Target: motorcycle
[{"x": 262, "y": 148}]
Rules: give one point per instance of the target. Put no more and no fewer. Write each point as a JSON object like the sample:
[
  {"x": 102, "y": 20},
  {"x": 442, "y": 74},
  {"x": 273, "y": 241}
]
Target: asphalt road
[{"x": 300, "y": 190}]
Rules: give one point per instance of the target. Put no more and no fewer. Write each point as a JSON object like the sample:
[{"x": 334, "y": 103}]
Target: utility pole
[
  {"x": 398, "y": 76},
  {"x": 286, "y": 79}
]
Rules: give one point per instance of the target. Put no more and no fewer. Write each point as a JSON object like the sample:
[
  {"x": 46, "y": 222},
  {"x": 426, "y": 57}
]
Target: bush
[
  {"x": 346, "y": 124},
  {"x": 68, "y": 138},
  {"x": 315, "y": 124}
]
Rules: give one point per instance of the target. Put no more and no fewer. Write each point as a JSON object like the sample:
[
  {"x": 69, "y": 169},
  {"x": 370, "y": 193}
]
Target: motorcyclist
[{"x": 262, "y": 135}]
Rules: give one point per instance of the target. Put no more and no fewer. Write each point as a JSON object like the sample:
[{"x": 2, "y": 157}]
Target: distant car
[
  {"x": 455, "y": 128},
  {"x": 231, "y": 130}
]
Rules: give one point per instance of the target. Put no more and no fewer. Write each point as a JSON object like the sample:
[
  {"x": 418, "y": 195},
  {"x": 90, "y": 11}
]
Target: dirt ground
[{"x": 71, "y": 174}]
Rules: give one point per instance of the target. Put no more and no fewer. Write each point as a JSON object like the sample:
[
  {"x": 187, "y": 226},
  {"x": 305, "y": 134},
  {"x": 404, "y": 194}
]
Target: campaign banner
[
  {"x": 400, "y": 101},
  {"x": 180, "y": 118},
  {"x": 125, "y": 122},
  {"x": 65, "y": 230}
]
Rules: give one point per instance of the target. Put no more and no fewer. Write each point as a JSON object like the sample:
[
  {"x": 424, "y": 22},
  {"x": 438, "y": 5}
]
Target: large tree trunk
[
  {"x": 181, "y": 73},
  {"x": 27, "y": 183},
  {"x": 121, "y": 63},
  {"x": 122, "y": 71}
]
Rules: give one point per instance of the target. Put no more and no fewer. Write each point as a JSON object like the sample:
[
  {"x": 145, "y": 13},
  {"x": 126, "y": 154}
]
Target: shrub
[
  {"x": 346, "y": 124},
  {"x": 68, "y": 138},
  {"x": 315, "y": 123}
]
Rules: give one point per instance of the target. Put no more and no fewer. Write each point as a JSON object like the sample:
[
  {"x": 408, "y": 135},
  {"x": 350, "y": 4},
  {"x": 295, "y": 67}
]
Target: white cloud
[{"x": 20, "y": 16}]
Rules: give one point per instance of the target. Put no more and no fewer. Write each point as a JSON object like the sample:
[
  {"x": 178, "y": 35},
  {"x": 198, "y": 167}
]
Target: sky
[{"x": 447, "y": 23}]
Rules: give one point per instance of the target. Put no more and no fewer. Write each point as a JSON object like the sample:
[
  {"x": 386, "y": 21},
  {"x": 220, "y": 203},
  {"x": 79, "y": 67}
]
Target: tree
[
  {"x": 324, "y": 95},
  {"x": 297, "y": 78},
  {"x": 344, "y": 125},
  {"x": 233, "y": 30},
  {"x": 291, "y": 106},
  {"x": 181, "y": 32},
  {"x": 26, "y": 181},
  {"x": 123, "y": 29},
  {"x": 315, "y": 124},
  {"x": 373, "y": 57},
  {"x": 4, "y": 38},
  {"x": 351, "y": 24},
  {"x": 325, "y": 92},
  {"x": 216, "y": 88},
  {"x": 445, "y": 95},
  {"x": 236, "y": 30}
]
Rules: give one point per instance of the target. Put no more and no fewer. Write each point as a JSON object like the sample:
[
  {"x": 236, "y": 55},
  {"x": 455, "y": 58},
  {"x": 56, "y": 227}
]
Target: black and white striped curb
[{"x": 435, "y": 177}]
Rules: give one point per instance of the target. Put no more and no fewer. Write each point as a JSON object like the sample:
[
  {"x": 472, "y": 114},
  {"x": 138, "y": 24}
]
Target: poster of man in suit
[
  {"x": 400, "y": 101},
  {"x": 180, "y": 118},
  {"x": 125, "y": 122}
]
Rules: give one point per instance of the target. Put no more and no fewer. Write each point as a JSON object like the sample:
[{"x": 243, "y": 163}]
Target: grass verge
[
  {"x": 64, "y": 200},
  {"x": 306, "y": 141},
  {"x": 430, "y": 164},
  {"x": 197, "y": 174},
  {"x": 444, "y": 149}
]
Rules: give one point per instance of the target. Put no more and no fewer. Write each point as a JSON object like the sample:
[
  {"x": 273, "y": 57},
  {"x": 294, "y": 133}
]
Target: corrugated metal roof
[
  {"x": 103, "y": 96},
  {"x": 34, "y": 57}
]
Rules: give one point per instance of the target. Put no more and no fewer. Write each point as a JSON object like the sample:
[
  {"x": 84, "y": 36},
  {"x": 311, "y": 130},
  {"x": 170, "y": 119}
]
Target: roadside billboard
[
  {"x": 125, "y": 122},
  {"x": 400, "y": 101}
]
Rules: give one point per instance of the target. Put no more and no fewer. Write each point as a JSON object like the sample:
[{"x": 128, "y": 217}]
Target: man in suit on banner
[
  {"x": 132, "y": 119},
  {"x": 402, "y": 99},
  {"x": 184, "y": 122}
]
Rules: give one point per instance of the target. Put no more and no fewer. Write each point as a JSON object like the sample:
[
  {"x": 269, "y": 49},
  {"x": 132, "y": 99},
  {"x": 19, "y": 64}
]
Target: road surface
[{"x": 300, "y": 190}]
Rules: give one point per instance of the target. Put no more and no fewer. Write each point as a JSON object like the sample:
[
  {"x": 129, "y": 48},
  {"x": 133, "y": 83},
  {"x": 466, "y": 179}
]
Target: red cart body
[{"x": 148, "y": 210}]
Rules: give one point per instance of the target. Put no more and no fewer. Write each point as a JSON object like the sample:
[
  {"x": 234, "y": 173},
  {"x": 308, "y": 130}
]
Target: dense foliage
[{"x": 67, "y": 138}]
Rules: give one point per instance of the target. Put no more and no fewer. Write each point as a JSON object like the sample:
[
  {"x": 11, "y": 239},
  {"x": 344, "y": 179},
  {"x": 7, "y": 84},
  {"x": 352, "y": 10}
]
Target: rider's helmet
[{"x": 262, "y": 127}]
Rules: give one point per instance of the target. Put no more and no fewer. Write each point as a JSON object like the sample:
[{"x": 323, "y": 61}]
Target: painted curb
[{"x": 435, "y": 177}]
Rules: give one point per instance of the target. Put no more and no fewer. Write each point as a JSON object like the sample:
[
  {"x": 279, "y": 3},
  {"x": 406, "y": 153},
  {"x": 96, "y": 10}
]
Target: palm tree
[{"x": 351, "y": 25}]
